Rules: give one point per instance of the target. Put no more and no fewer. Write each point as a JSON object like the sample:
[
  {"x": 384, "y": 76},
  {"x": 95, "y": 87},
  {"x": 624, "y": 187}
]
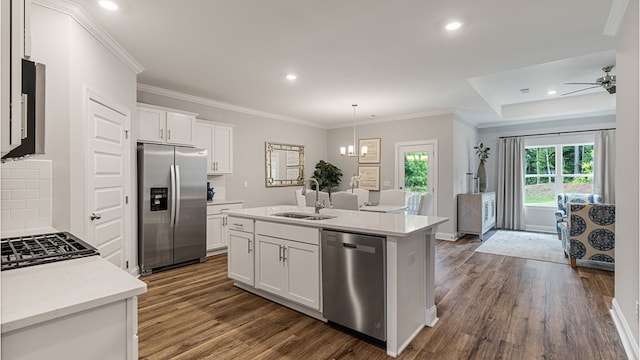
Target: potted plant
[
  {"x": 483, "y": 154},
  {"x": 327, "y": 175}
]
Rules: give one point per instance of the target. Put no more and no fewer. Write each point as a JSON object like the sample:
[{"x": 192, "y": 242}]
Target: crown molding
[
  {"x": 220, "y": 105},
  {"x": 88, "y": 23},
  {"x": 616, "y": 13},
  {"x": 398, "y": 118}
]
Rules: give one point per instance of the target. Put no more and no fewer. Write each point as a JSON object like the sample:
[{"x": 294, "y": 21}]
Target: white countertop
[
  {"x": 388, "y": 224},
  {"x": 383, "y": 208},
  {"x": 39, "y": 293}
]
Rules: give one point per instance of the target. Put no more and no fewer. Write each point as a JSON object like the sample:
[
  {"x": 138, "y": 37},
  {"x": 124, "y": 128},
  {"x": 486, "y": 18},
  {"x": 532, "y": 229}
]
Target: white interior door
[
  {"x": 417, "y": 169},
  {"x": 107, "y": 163}
]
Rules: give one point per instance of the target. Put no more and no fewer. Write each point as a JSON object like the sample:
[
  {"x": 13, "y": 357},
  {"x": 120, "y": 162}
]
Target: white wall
[
  {"x": 464, "y": 160},
  {"x": 627, "y": 161},
  {"x": 50, "y": 37}
]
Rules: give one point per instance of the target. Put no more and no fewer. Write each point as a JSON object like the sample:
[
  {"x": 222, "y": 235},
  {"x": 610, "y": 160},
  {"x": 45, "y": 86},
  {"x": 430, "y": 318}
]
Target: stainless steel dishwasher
[{"x": 354, "y": 282}]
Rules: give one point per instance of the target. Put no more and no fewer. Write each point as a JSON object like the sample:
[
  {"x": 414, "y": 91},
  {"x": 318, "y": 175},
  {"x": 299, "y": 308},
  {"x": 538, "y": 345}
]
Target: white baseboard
[
  {"x": 626, "y": 336},
  {"x": 446, "y": 236},
  {"x": 135, "y": 271},
  {"x": 217, "y": 251},
  {"x": 431, "y": 316}
]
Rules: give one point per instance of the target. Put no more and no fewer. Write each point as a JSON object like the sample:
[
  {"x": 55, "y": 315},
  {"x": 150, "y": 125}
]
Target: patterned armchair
[
  {"x": 564, "y": 199},
  {"x": 590, "y": 232}
]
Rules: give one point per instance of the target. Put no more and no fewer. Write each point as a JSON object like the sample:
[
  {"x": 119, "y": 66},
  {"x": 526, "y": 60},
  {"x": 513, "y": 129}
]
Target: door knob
[{"x": 95, "y": 216}]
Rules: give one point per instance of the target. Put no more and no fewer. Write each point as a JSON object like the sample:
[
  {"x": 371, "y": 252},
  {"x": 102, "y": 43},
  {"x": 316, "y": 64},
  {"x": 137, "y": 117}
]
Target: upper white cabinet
[
  {"x": 217, "y": 139},
  {"x": 166, "y": 126}
]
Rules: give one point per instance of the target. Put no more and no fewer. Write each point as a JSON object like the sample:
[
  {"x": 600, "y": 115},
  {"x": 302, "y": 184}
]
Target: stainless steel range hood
[{"x": 33, "y": 101}]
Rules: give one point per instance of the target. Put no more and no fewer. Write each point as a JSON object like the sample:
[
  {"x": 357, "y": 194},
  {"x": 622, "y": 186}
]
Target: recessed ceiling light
[
  {"x": 551, "y": 92},
  {"x": 454, "y": 25},
  {"x": 109, "y": 5},
  {"x": 291, "y": 76}
]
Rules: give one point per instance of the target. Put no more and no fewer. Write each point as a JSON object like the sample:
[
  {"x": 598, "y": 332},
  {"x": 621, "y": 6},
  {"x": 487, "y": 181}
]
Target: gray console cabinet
[{"x": 476, "y": 213}]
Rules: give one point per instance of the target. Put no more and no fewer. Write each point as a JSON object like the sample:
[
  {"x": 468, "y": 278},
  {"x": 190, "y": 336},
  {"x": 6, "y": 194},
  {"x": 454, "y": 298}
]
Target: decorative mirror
[{"x": 284, "y": 164}]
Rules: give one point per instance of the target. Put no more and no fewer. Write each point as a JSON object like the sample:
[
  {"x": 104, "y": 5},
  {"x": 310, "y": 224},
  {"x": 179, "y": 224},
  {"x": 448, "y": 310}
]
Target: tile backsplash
[{"x": 25, "y": 194}]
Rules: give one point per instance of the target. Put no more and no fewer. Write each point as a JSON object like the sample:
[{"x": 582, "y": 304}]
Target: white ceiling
[{"x": 392, "y": 58}]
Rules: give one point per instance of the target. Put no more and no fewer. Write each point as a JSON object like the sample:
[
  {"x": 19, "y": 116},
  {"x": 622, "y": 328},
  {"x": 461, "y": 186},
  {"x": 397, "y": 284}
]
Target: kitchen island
[{"x": 293, "y": 279}]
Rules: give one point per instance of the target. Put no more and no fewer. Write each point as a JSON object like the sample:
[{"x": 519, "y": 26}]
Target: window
[{"x": 550, "y": 170}]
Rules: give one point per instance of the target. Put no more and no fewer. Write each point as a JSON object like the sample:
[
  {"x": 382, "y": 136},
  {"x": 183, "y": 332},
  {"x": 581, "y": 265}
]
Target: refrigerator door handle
[
  {"x": 172, "y": 218},
  {"x": 177, "y": 218}
]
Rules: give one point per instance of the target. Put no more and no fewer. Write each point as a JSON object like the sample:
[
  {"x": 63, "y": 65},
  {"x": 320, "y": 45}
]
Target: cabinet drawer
[
  {"x": 240, "y": 224},
  {"x": 291, "y": 232},
  {"x": 218, "y": 209}
]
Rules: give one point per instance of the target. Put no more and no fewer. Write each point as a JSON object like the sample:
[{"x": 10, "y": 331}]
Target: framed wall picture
[
  {"x": 369, "y": 177},
  {"x": 373, "y": 151}
]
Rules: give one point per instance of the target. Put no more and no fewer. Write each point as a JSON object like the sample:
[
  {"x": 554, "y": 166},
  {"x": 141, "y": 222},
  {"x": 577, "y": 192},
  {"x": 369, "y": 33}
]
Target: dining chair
[
  {"x": 345, "y": 200},
  {"x": 392, "y": 197},
  {"x": 425, "y": 205},
  {"x": 413, "y": 202},
  {"x": 310, "y": 198},
  {"x": 363, "y": 195}
]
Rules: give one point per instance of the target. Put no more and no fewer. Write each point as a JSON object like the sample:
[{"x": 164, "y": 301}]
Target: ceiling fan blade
[
  {"x": 571, "y": 92},
  {"x": 582, "y": 83}
]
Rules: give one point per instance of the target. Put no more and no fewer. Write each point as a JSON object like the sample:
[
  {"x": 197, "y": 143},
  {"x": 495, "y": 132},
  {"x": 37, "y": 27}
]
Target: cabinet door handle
[
  {"x": 248, "y": 246},
  {"x": 279, "y": 252},
  {"x": 213, "y": 165},
  {"x": 284, "y": 253},
  {"x": 169, "y": 134},
  {"x": 161, "y": 133}
]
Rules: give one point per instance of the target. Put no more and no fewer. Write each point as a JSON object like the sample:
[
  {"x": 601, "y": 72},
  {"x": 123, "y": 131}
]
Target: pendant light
[{"x": 350, "y": 151}]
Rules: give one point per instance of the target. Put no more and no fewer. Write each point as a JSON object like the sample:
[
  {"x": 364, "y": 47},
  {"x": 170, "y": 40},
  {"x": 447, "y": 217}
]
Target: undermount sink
[
  {"x": 304, "y": 216},
  {"x": 319, "y": 217}
]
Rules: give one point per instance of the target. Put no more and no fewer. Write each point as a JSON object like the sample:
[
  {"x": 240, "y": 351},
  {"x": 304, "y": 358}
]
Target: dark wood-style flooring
[{"x": 490, "y": 307}]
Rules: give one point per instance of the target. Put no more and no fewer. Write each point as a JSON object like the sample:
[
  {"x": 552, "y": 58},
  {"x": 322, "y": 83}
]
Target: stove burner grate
[{"x": 21, "y": 251}]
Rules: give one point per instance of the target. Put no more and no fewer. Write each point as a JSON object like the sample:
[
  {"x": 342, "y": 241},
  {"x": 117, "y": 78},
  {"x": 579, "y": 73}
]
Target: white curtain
[
  {"x": 510, "y": 194},
  {"x": 604, "y": 165}
]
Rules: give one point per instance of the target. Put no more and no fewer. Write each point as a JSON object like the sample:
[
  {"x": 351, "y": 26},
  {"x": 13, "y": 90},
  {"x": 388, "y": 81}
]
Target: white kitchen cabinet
[
  {"x": 165, "y": 126},
  {"x": 476, "y": 213},
  {"x": 241, "y": 250},
  {"x": 286, "y": 266},
  {"x": 217, "y": 225},
  {"x": 217, "y": 139},
  {"x": 215, "y": 232}
]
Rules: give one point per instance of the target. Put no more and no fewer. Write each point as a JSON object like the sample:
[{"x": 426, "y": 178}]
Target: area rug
[{"x": 522, "y": 244}]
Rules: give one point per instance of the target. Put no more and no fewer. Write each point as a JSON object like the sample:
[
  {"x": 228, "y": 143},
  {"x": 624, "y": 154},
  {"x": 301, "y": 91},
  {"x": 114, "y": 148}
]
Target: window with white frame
[{"x": 558, "y": 168}]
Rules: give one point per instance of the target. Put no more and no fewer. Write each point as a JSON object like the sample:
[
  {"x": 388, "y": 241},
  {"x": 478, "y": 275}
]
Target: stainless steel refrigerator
[{"x": 172, "y": 206}]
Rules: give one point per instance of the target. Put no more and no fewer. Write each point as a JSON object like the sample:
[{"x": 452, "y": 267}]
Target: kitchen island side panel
[{"x": 408, "y": 286}]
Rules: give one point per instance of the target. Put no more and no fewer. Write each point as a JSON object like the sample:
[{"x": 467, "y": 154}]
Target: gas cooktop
[{"x": 22, "y": 251}]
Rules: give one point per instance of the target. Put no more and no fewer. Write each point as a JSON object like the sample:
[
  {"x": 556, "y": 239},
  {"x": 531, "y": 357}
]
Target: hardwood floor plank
[{"x": 490, "y": 307}]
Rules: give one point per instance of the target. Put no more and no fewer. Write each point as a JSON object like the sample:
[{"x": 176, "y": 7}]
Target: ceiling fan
[{"x": 607, "y": 82}]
